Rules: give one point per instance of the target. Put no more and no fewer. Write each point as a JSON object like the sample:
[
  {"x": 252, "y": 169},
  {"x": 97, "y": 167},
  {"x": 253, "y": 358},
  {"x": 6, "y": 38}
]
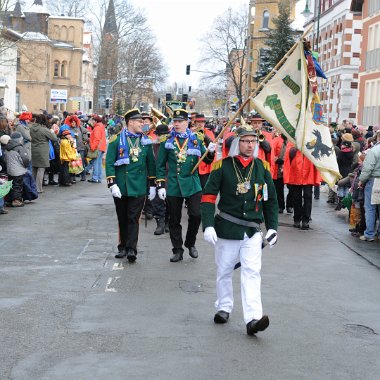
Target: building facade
[
  {"x": 369, "y": 71},
  {"x": 49, "y": 60},
  {"x": 336, "y": 36}
]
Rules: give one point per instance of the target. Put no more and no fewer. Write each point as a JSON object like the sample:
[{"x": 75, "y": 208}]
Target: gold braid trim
[
  {"x": 217, "y": 165},
  {"x": 266, "y": 165}
]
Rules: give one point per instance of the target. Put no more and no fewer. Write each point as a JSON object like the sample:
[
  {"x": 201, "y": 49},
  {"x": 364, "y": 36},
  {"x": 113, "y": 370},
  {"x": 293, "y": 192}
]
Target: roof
[{"x": 38, "y": 7}]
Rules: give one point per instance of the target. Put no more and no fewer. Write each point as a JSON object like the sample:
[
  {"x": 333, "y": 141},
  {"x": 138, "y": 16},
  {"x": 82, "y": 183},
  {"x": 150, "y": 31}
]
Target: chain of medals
[
  {"x": 181, "y": 154},
  {"x": 134, "y": 149},
  {"x": 244, "y": 183}
]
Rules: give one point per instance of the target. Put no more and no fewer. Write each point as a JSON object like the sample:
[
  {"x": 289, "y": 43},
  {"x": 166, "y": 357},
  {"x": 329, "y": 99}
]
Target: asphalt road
[{"x": 69, "y": 310}]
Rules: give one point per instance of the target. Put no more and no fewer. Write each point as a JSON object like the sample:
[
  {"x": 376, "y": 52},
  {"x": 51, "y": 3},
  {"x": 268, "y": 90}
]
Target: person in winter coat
[
  {"x": 345, "y": 158},
  {"x": 81, "y": 138},
  {"x": 23, "y": 127},
  {"x": 97, "y": 142},
  {"x": 301, "y": 175},
  {"x": 41, "y": 134},
  {"x": 67, "y": 153},
  {"x": 17, "y": 161}
]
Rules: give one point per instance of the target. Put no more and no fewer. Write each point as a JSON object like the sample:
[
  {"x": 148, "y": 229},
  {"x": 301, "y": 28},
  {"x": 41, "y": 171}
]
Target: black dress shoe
[
  {"x": 305, "y": 226},
  {"x": 280, "y": 210},
  {"x": 289, "y": 210},
  {"x": 122, "y": 253},
  {"x": 177, "y": 256},
  {"x": 221, "y": 317},
  {"x": 193, "y": 252},
  {"x": 257, "y": 325},
  {"x": 297, "y": 224},
  {"x": 131, "y": 256},
  {"x": 53, "y": 183}
]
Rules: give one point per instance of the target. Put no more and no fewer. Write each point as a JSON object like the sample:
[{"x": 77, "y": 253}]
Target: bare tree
[
  {"x": 224, "y": 51},
  {"x": 140, "y": 66},
  {"x": 70, "y": 8}
]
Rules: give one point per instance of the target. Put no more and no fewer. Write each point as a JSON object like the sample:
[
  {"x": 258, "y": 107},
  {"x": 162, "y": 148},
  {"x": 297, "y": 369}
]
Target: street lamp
[{"x": 306, "y": 12}]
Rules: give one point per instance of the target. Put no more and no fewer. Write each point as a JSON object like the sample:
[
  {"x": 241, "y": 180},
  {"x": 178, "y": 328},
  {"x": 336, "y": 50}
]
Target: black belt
[{"x": 241, "y": 222}]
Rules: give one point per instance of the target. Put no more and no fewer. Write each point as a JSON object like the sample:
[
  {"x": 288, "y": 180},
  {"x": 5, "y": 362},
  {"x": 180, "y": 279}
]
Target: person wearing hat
[
  {"x": 23, "y": 127},
  {"x": 345, "y": 157},
  {"x": 204, "y": 169},
  {"x": 160, "y": 212},
  {"x": 129, "y": 162},
  {"x": 181, "y": 152},
  {"x": 17, "y": 160},
  {"x": 67, "y": 153},
  {"x": 247, "y": 199}
]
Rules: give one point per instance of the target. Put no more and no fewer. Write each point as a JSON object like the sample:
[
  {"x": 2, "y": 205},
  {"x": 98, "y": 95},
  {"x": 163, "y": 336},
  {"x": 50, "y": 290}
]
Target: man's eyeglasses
[{"x": 248, "y": 141}]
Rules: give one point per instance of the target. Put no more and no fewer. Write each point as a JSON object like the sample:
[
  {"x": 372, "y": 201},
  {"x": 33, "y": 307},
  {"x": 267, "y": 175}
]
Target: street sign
[{"x": 58, "y": 96}]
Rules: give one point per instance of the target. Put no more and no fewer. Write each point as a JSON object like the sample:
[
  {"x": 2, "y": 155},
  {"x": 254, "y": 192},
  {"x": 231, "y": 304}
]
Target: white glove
[
  {"x": 115, "y": 191},
  {"x": 152, "y": 193},
  {"x": 210, "y": 235},
  {"x": 211, "y": 147},
  {"x": 273, "y": 241},
  {"x": 162, "y": 193}
]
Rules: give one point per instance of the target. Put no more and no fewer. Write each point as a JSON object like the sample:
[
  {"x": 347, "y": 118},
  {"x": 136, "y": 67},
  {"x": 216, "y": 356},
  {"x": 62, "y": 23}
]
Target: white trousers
[{"x": 227, "y": 254}]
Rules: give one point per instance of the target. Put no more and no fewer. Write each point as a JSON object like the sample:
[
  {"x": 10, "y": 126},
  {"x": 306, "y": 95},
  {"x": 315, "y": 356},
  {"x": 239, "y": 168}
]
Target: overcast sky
[{"x": 178, "y": 26}]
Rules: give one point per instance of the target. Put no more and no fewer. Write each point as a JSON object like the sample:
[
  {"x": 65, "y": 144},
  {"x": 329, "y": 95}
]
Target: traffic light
[
  {"x": 185, "y": 97},
  {"x": 216, "y": 112},
  {"x": 189, "y": 88},
  {"x": 107, "y": 103},
  {"x": 233, "y": 107},
  {"x": 141, "y": 107},
  {"x": 89, "y": 104},
  {"x": 187, "y": 69}
]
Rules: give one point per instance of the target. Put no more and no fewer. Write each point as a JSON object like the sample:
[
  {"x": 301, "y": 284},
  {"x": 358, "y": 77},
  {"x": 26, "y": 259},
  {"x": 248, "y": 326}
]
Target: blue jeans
[
  {"x": 1, "y": 202},
  {"x": 97, "y": 173},
  {"x": 370, "y": 211}
]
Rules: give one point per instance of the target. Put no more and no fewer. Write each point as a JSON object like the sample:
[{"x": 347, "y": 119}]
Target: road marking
[
  {"x": 44, "y": 255},
  {"x": 84, "y": 248},
  {"x": 110, "y": 280},
  {"x": 118, "y": 266}
]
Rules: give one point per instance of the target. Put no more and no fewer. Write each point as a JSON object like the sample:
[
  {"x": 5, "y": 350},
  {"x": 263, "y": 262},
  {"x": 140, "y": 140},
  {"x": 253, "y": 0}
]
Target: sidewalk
[{"x": 335, "y": 224}]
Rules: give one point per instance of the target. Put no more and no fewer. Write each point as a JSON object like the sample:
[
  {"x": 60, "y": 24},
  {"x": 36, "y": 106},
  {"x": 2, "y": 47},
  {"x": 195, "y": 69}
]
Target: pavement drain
[
  {"x": 359, "y": 330},
  {"x": 191, "y": 286}
]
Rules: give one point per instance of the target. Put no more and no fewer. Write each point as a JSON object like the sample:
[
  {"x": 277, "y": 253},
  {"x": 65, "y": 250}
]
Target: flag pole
[{"x": 254, "y": 92}]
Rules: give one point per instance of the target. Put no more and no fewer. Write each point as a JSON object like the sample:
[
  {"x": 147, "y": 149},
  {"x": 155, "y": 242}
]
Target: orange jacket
[
  {"x": 300, "y": 170},
  {"x": 204, "y": 168},
  {"x": 98, "y": 137},
  {"x": 276, "y": 149}
]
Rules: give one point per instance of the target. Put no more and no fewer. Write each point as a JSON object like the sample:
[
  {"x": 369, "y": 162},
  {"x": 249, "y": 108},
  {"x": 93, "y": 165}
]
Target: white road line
[
  {"x": 84, "y": 248},
  {"x": 117, "y": 266},
  {"x": 110, "y": 280}
]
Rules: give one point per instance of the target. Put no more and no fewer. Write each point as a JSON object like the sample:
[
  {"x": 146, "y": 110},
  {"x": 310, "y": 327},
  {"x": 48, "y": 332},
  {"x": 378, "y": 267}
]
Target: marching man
[
  {"x": 129, "y": 162},
  {"x": 181, "y": 152},
  {"x": 247, "y": 198}
]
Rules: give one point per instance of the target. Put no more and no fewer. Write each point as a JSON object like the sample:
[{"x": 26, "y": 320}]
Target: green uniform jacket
[
  {"x": 181, "y": 183},
  {"x": 131, "y": 178},
  {"x": 249, "y": 206}
]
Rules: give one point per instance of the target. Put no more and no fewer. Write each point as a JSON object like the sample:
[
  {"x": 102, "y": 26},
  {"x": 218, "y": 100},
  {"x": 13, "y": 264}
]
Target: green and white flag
[{"x": 287, "y": 101}]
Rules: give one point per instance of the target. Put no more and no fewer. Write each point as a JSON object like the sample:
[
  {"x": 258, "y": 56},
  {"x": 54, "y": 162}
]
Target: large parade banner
[{"x": 290, "y": 102}]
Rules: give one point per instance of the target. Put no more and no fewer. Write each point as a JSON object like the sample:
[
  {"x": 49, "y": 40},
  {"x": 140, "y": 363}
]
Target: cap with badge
[
  {"x": 245, "y": 130},
  {"x": 180, "y": 114},
  {"x": 132, "y": 114},
  {"x": 200, "y": 117}
]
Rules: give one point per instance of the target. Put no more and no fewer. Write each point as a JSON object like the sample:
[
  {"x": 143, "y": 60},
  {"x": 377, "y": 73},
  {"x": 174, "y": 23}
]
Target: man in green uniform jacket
[
  {"x": 129, "y": 161},
  {"x": 247, "y": 198},
  {"x": 181, "y": 152}
]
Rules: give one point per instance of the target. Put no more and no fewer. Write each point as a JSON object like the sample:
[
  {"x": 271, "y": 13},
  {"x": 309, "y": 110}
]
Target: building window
[
  {"x": 56, "y": 68},
  {"x": 18, "y": 105},
  {"x": 18, "y": 64},
  {"x": 71, "y": 34},
  {"x": 265, "y": 20},
  {"x": 63, "y": 69}
]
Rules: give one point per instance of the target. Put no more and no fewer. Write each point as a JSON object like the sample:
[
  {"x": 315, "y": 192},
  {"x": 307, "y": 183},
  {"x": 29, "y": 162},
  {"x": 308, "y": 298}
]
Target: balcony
[
  {"x": 371, "y": 115},
  {"x": 372, "y": 60}
]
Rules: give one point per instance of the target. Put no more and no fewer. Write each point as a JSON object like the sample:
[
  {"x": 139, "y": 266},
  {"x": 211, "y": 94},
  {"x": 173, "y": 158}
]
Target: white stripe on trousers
[{"x": 227, "y": 254}]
